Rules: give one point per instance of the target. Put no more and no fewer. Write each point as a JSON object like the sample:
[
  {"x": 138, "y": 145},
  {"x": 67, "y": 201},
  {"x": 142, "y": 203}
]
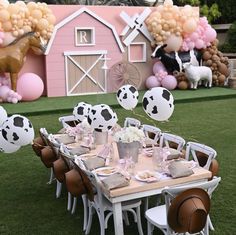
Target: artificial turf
[{"x": 28, "y": 205}]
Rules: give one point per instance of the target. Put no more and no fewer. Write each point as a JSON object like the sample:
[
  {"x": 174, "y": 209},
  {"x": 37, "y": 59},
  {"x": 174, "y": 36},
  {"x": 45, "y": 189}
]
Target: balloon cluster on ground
[
  {"x": 179, "y": 27},
  {"x": 218, "y": 64},
  {"x": 29, "y": 87},
  {"x": 6, "y": 93},
  {"x": 19, "y": 18},
  {"x": 15, "y": 131},
  {"x": 161, "y": 78}
]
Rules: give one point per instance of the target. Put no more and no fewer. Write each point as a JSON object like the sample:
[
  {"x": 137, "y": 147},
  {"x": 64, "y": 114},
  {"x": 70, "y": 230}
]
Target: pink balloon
[
  {"x": 193, "y": 36},
  {"x": 152, "y": 81},
  {"x": 4, "y": 91},
  {"x": 30, "y": 86},
  {"x": 199, "y": 44},
  {"x": 210, "y": 34},
  {"x": 169, "y": 82},
  {"x": 158, "y": 66}
]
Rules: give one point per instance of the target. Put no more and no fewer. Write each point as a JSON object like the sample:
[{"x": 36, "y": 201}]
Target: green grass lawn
[{"x": 28, "y": 205}]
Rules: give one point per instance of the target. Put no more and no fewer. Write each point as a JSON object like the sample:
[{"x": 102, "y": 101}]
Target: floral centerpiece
[{"x": 128, "y": 142}]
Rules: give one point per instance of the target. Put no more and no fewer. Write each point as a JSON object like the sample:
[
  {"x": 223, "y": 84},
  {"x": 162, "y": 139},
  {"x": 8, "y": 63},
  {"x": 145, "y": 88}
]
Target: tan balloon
[
  {"x": 4, "y": 15},
  {"x": 173, "y": 43},
  {"x": 189, "y": 25},
  {"x": 37, "y": 14},
  {"x": 51, "y": 19},
  {"x": 13, "y": 9},
  {"x": 7, "y": 26}
]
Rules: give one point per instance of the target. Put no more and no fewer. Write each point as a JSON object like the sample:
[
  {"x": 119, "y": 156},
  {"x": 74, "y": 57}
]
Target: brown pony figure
[{"x": 12, "y": 57}]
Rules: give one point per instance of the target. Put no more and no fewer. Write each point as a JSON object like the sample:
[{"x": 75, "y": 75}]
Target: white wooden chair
[
  {"x": 102, "y": 205},
  {"x": 157, "y": 216},
  {"x": 193, "y": 148},
  {"x": 166, "y": 139},
  {"x": 44, "y": 135},
  {"x": 152, "y": 132},
  {"x": 55, "y": 145},
  {"x": 69, "y": 120},
  {"x": 132, "y": 122}
]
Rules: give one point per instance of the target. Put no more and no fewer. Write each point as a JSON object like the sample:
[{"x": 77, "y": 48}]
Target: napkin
[
  {"x": 177, "y": 169},
  {"x": 92, "y": 163},
  {"x": 65, "y": 139},
  {"x": 173, "y": 154},
  {"x": 79, "y": 150},
  {"x": 116, "y": 180}
]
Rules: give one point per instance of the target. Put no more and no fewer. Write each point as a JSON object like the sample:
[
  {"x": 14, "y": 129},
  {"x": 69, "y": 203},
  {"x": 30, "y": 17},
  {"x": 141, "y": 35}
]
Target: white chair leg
[
  {"x": 69, "y": 201},
  {"x": 90, "y": 218},
  {"x": 210, "y": 224},
  {"x": 139, "y": 222},
  {"x": 74, "y": 205},
  {"x": 102, "y": 223},
  {"x": 150, "y": 228},
  {"x": 126, "y": 218},
  {"x": 85, "y": 204},
  {"x": 51, "y": 176},
  {"x": 58, "y": 190}
]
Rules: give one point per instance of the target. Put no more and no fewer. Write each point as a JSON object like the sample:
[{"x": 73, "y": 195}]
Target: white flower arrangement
[{"x": 129, "y": 134}]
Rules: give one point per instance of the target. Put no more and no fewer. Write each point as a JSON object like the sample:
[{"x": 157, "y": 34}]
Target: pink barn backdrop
[{"x": 71, "y": 69}]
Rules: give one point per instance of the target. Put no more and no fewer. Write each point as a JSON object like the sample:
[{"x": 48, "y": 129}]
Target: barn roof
[{"x": 74, "y": 15}]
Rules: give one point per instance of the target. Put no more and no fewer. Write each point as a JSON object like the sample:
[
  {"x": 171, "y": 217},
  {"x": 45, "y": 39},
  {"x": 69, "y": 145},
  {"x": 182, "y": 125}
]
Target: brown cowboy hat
[
  {"x": 188, "y": 211},
  {"x": 78, "y": 183}
]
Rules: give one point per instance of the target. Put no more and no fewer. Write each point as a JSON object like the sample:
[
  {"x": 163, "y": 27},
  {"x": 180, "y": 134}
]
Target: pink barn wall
[{"x": 65, "y": 41}]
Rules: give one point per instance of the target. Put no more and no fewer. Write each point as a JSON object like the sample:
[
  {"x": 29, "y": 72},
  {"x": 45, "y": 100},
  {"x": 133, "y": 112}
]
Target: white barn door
[{"x": 85, "y": 72}]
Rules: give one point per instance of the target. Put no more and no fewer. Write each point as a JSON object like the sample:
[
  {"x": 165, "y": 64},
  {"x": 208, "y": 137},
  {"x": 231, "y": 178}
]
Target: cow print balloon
[
  {"x": 81, "y": 111},
  {"x": 3, "y": 115},
  {"x": 102, "y": 118},
  {"x": 158, "y": 103},
  {"x": 18, "y": 130},
  {"x": 127, "y": 96},
  {"x": 7, "y": 147}
]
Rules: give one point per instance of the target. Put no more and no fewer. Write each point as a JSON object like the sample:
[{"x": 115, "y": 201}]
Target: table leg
[{"x": 118, "y": 222}]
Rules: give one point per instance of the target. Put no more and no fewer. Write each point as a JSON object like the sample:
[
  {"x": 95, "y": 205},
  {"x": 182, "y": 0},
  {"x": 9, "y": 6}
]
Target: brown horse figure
[{"x": 12, "y": 57}]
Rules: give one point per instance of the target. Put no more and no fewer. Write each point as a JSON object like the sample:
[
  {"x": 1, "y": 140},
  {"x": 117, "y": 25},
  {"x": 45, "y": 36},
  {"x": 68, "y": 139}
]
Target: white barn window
[
  {"x": 137, "y": 52},
  {"x": 84, "y": 36}
]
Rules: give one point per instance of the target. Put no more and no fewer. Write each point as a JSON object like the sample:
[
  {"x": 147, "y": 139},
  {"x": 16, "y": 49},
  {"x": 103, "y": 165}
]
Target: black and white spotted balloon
[
  {"x": 158, "y": 103},
  {"x": 81, "y": 110},
  {"x": 7, "y": 147},
  {"x": 18, "y": 130},
  {"x": 127, "y": 97},
  {"x": 102, "y": 118}
]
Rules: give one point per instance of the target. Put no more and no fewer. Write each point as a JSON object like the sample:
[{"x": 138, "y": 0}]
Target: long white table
[{"x": 138, "y": 189}]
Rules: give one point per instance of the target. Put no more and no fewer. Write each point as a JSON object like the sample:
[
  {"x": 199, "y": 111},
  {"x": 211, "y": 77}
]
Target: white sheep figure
[{"x": 195, "y": 74}]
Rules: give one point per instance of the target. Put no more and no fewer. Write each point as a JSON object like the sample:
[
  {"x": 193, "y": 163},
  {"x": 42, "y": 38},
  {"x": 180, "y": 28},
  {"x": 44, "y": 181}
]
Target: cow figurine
[
  {"x": 195, "y": 74},
  {"x": 174, "y": 61}
]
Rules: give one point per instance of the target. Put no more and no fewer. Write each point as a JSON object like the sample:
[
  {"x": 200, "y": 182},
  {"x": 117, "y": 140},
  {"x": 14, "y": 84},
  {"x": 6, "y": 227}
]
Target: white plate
[
  {"x": 152, "y": 178},
  {"x": 105, "y": 171}
]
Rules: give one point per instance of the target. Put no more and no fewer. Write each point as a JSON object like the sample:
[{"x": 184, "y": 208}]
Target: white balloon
[
  {"x": 3, "y": 115},
  {"x": 127, "y": 97},
  {"x": 81, "y": 110},
  {"x": 7, "y": 147},
  {"x": 102, "y": 118},
  {"x": 18, "y": 130},
  {"x": 158, "y": 103}
]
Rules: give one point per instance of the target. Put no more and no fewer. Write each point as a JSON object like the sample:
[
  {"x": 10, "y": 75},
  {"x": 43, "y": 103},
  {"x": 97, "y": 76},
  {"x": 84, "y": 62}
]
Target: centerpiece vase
[
  {"x": 127, "y": 150},
  {"x": 100, "y": 137}
]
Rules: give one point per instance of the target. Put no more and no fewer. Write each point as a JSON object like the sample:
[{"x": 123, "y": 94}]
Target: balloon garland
[{"x": 19, "y": 18}]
